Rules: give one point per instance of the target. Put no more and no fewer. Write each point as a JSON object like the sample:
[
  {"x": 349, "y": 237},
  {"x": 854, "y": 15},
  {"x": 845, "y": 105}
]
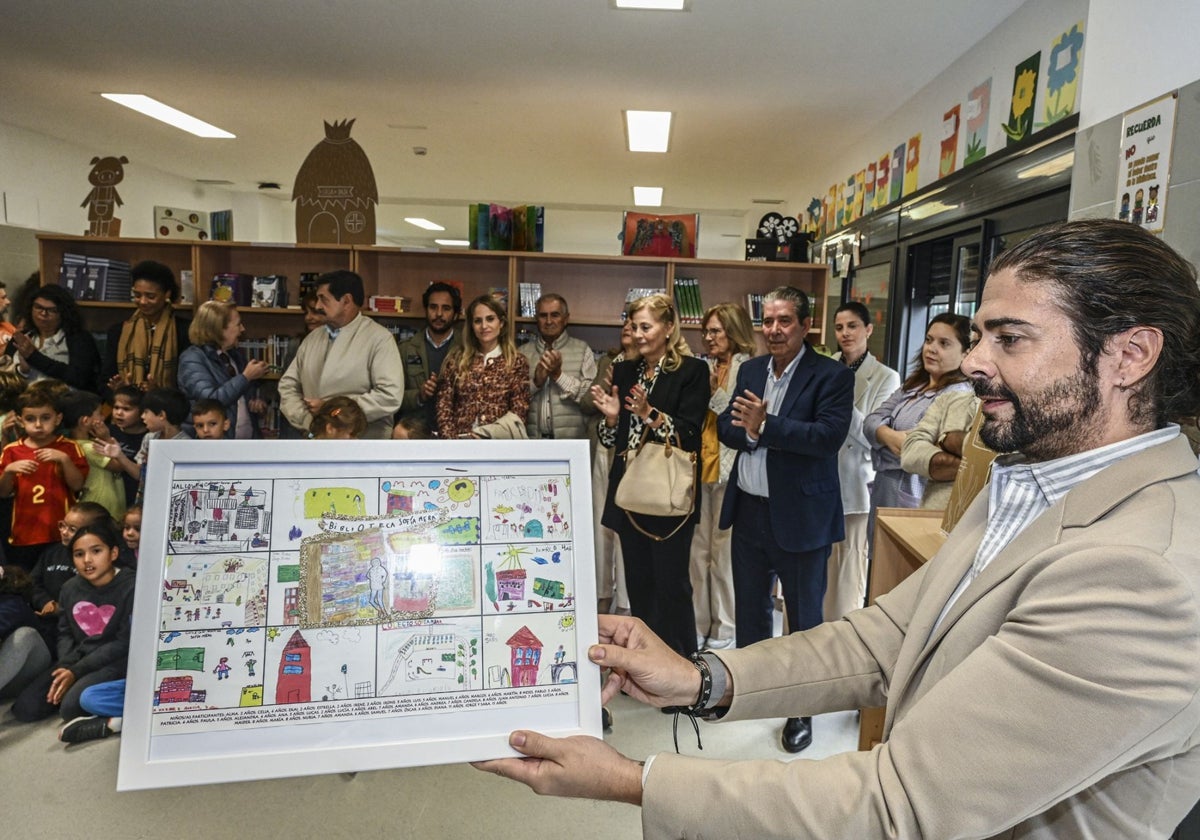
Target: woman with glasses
[
  {"x": 54, "y": 344},
  {"x": 729, "y": 341}
]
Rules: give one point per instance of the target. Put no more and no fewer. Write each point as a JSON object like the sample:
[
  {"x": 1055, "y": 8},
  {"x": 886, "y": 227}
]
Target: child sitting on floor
[
  {"x": 93, "y": 634},
  {"x": 23, "y": 652}
]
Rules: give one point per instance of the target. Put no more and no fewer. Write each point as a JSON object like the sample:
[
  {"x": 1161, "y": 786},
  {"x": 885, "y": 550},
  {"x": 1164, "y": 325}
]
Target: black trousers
[
  {"x": 757, "y": 560},
  {"x": 660, "y": 589}
]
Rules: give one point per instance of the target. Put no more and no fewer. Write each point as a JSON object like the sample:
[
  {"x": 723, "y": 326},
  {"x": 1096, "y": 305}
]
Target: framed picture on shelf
[
  {"x": 654, "y": 235},
  {"x": 309, "y": 607}
]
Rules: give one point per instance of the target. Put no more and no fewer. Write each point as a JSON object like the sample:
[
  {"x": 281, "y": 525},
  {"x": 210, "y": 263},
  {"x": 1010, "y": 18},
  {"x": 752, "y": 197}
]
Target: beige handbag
[{"x": 659, "y": 480}]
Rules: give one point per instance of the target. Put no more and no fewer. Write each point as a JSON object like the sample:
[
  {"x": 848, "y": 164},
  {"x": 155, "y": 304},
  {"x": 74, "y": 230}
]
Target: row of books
[
  {"x": 687, "y": 300},
  {"x": 273, "y": 349},
  {"x": 754, "y": 306},
  {"x": 389, "y": 304},
  {"x": 95, "y": 278},
  {"x": 634, "y": 293},
  {"x": 494, "y": 227},
  {"x": 529, "y": 294}
]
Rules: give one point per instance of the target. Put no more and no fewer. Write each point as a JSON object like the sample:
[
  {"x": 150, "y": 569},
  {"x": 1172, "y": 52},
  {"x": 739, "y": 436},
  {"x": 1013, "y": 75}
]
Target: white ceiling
[{"x": 516, "y": 102}]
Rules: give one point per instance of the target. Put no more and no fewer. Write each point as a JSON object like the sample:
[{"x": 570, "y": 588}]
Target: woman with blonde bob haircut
[
  {"x": 661, "y": 393},
  {"x": 214, "y": 369},
  {"x": 484, "y": 390}
]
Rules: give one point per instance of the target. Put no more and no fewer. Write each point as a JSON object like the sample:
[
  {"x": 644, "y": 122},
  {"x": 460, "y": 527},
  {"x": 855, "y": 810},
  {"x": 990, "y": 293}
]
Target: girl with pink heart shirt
[{"x": 95, "y": 609}]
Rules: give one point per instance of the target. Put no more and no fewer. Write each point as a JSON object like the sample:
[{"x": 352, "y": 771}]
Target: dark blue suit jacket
[{"x": 803, "y": 443}]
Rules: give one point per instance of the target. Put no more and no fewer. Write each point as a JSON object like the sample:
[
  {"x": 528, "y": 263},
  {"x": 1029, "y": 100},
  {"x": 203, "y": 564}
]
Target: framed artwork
[
  {"x": 654, "y": 235},
  {"x": 309, "y": 607}
]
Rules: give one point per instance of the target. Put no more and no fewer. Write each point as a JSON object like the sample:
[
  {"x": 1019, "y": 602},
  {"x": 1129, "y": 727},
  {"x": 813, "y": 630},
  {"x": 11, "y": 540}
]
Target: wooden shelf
[{"x": 594, "y": 286}]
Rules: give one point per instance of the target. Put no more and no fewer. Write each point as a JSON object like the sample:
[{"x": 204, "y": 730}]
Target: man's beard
[{"x": 1061, "y": 419}]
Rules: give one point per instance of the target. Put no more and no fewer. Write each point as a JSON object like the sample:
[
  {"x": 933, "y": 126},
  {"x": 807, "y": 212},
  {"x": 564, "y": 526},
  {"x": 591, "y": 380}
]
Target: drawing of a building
[
  {"x": 526, "y": 655},
  {"x": 400, "y": 501},
  {"x": 295, "y": 672},
  {"x": 510, "y": 584},
  {"x": 177, "y": 690}
]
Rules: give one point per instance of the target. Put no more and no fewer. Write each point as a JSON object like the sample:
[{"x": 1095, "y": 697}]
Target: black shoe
[
  {"x": 606, "y": 719},
  {"x": 797, "y": 734}
]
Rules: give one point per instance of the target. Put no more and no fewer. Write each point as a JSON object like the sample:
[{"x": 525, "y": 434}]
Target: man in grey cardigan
[
  {"x": 351, "y": 356},
  {"x": 561, "y": 370}
]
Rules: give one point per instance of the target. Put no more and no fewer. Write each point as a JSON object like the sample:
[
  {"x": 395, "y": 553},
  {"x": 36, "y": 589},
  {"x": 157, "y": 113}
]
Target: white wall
[
  {"x": 1137, "y": 52},
  {"x": 44, "y": 181},
  {"x": 1031, "y": 28}
]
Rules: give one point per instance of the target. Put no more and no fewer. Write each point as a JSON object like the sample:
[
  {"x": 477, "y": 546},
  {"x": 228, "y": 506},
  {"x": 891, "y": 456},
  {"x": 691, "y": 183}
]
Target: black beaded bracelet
[{"x": 701, "y": 705}]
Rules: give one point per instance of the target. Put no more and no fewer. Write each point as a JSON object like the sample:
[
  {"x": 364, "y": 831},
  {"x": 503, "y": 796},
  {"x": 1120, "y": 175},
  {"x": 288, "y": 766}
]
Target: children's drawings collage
[{"x": 288, "y": 600}]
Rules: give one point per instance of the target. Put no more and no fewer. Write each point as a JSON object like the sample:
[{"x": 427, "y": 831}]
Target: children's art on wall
[
  {"x": 653, "y": 235},
  {"x": 103, "y": 199},
  {"x": 949, "y": 139},
  {"x": 405, "y": 611},
  {"x": 1020, "y": 113},
  {"x": 869, "y": 188},
  {"x": 335, "y": 191},
  {"x": 883, "y": 182},
  {"x": 860, "y": 188},
  {"x": 897, "y": 179},
  {"x": 912, "y": 160},
  {"x": 812, "y": 221},
  {"x": 1062, "y": 74},
  {"x": 840, "y": 204},
  {"x": 977, "y": 111}
]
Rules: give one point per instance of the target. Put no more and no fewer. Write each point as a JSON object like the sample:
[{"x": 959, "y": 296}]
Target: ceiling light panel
[
  {"x": 171, "y": 116},
  {"x": 660, "y": 5},
  {"x": 648, "y": 196},
  {"x": 648, "y": 131}
]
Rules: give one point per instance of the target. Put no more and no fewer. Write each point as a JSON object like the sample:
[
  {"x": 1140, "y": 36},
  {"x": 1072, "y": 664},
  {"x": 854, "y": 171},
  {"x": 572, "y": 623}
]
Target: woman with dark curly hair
[{"x": 54, "y": 344}]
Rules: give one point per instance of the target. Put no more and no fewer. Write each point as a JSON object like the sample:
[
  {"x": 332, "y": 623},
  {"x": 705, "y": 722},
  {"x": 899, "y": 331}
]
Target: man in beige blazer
[{"x": 1042, "y": 672}]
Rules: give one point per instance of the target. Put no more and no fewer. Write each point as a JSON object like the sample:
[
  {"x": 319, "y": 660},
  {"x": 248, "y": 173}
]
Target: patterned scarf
[{"x": 149, "y": 351}]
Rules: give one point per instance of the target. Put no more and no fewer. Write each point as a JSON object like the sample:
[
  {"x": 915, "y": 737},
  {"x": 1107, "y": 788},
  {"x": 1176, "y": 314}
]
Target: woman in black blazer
[{"x": 664, "y": 390}]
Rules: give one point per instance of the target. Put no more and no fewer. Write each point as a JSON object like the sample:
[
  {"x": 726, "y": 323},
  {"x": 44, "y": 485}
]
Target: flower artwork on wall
[
  {"x": 949, "y": 155},
  {"x": 1062, "y": 74},
  {"x": 1020, "y": 115},
  {"x": 978, "y": 103}
]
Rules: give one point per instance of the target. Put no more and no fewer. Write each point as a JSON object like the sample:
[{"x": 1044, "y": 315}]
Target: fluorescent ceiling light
[
  {"x": 456, "y": 243},
  {"x": 424, "y": 223},
  {"x": 648, "y": 131},
  {"x": 665, "y": 5},
  {"x": 165, "y": 113},
  {"x": 647, "y": 196}
]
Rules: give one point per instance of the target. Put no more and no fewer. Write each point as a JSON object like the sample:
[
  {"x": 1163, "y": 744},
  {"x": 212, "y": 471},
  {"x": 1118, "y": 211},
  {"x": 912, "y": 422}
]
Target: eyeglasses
[
  {"x": 45, "y": 310},
  {"x": 66, "y": 527},
  {"x": 712, "y": 333}
]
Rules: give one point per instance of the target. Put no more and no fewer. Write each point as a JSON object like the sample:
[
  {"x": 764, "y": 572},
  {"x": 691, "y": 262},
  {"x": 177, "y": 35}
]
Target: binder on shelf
[
  {"x": 231, "y": 287},
  {"x": 270, "y": 291}
]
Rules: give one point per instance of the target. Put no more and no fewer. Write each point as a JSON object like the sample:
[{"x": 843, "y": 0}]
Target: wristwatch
[
  {"x": 653, "y": 415},
  {"x": 762, "y": 426}
]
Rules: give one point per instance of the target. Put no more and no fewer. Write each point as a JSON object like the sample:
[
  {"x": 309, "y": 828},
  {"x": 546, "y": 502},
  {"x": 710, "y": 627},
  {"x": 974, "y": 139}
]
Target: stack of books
[
  {"x": 95, "y": 278},
  {"x": 529, "y": 294},
  {"x": 687, "y": 300},
  {"x": 389, "y": 304}
]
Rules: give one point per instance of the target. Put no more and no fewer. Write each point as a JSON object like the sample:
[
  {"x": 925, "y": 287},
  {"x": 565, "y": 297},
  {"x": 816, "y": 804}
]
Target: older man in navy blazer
[{"x": 788, "y": 419}]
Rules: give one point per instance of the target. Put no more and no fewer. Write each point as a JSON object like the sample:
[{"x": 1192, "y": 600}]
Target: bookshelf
[{"x": 594, "y": 286}]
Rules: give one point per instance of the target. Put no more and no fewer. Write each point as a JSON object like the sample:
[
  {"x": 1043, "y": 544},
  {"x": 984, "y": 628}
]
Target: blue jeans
[{"x": 106, "y": 699}]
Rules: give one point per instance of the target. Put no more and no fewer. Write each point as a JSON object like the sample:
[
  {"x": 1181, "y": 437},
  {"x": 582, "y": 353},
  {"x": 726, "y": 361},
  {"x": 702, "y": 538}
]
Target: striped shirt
[{"x": 1020, "y": 492}]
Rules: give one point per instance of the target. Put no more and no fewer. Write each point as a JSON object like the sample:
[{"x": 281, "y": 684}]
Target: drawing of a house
[
  {"x": 526, "y": 654},
  {"x": 295, "y": 672}
]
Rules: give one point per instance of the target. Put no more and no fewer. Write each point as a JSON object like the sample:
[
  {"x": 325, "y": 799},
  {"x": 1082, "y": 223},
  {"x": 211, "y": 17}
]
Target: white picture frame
[{"x": 392, "y": 669}]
